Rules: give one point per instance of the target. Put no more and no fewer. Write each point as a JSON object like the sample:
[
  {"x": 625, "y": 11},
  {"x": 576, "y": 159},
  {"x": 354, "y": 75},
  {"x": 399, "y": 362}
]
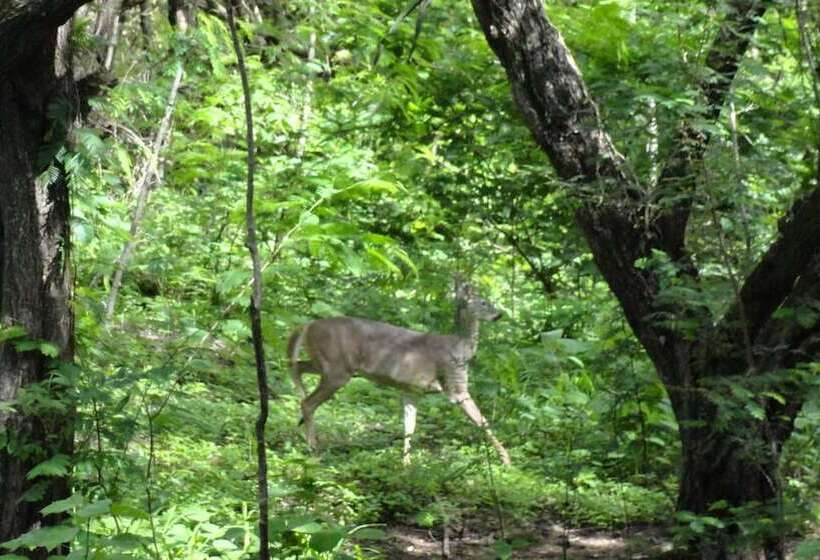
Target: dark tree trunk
[
  {"x": 181, "y": 13},
  {"x": 145, "y": 21},
  {"x": 728, "y": 463},
  {"x": 35, "y": 282}
]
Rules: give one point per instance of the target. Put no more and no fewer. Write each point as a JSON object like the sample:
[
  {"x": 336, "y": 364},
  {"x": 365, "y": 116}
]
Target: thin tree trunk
[
  {"x": 107, "y": 27},
  {"x": 255, "y": 309},
  {"x": 179, "y": 15},
  {"x": 145, "y": 22},
  {"x": 307, "y": 102},
  {"x": 145, "y": 184},
  {"x": 108, "y": 63}
]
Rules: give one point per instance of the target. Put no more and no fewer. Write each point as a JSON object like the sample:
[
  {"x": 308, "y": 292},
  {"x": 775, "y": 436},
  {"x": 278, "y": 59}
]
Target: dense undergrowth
[{"x": 401, "y": 173}]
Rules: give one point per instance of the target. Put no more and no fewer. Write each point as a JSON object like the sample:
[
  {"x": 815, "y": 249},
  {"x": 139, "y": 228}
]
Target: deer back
[{"x": 384, "y": 353}]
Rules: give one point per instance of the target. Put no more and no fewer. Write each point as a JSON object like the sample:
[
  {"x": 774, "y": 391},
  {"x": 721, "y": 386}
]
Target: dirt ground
[{"x": 542, "y": 540}]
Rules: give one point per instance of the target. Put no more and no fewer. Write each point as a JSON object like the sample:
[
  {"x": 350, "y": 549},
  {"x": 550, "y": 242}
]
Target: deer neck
[{"x": 467, "y": 327}]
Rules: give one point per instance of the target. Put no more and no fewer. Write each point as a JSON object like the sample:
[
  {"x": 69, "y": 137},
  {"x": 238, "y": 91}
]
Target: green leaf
[
  {"x": 231, "y": 279},
  {"x": 74, "y": 501},
  {"x": 14, "y": 331},
  {"x": 47, "y": 537},
  {"x": 46, "y": 348},
  {"x": 197, "y": 513},
  {"x": 128, "y": 541},
  {"x": 55, "y": 466},
  {"x": 122, "y": 509},
  {"x": 288, "y": 523},
  {"x": 36, "y": 492},
  {"x": 327, "y": 540},
  {"x": 96, "y": 509},
  {"x": 380, "y": 258},
  {"x": 308, "y": 528},
  {"x": 373, "y": 185},
  {"x": 369, "y": 533},
  {"x": 776, "y": 396},
  {"x": 755, "y": 410}
]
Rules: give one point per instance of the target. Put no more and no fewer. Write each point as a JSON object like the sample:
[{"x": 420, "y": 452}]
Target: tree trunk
[
  {"x": 729, "y": 456},
  {"x": 145, "y": 22},
  {"x": 35, "y": 283}
]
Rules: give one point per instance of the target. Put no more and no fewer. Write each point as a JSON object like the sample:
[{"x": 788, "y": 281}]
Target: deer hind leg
[
  {"x": 328, "y": 385},
  {"x": 409, "y": 426},
  {"x": 469, "y": 406}
]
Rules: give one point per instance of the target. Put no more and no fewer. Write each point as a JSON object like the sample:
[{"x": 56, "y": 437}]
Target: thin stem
[
  {"x": 148, "y": 474},
  {"x": 256, "y": 297},
  {"x": 744, "y": 213}
]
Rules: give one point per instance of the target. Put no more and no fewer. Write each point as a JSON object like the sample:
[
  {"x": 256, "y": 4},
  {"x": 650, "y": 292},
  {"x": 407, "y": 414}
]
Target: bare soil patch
[{"x": 476, "y": 541}]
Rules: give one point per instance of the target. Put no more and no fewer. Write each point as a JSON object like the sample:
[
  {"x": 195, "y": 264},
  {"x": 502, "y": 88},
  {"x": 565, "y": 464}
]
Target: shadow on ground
[{"x": 539, "y": 541}]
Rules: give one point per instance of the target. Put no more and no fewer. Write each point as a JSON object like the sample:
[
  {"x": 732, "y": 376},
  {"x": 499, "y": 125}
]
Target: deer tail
[{"x": 294, "y": 345}]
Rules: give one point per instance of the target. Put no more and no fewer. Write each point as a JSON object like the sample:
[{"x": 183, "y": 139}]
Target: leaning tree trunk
[
  {"x": 35, "y": 285},
  {"x": 725, "y": 464}
]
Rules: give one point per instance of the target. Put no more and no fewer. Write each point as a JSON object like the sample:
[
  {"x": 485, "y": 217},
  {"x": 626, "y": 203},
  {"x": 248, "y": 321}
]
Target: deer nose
[{"x": 497, "y": 316}]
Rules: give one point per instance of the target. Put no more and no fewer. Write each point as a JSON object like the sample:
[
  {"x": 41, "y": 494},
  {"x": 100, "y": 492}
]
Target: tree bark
[
  {"x": 727, "y": 463},
  {"x": 145, "y": 21},
  {"x": 35, "y": 282}
]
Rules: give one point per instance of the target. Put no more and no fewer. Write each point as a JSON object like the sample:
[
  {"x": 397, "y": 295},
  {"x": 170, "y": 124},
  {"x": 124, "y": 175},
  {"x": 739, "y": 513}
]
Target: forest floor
[{"x": 476, "y": 541}]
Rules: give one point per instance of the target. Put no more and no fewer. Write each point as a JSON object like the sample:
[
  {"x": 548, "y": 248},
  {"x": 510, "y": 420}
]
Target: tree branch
[
  {"x": 552, "y": 97},
  {"x": 773, "y": 279},
  {"x": 677, "y": 180},
  {"x": 550, "y": 92}
]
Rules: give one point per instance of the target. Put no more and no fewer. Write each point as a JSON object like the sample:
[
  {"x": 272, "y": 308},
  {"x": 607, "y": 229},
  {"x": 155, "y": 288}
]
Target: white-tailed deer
[{"x": 415, "y": 362}]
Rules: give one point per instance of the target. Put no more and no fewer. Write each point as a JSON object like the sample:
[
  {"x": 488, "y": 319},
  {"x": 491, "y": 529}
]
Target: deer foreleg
[
  {"x": 469, "y": 406},
  {"x": 409, "y": 426}
]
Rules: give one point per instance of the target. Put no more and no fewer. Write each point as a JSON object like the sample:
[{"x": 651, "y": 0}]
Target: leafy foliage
[{"x": 377, "y": 180}]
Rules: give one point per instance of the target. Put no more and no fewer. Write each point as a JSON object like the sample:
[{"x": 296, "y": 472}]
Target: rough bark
[
  {"x": 734, "y": 464},
  {"x": 25, "y": 28},
  {"x": 145, "y": 21},
  {"x": 35, "y": 283}
]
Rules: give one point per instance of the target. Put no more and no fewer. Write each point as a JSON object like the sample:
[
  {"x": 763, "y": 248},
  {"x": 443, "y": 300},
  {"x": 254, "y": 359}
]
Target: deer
[{"x": 413, "y": 362}]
